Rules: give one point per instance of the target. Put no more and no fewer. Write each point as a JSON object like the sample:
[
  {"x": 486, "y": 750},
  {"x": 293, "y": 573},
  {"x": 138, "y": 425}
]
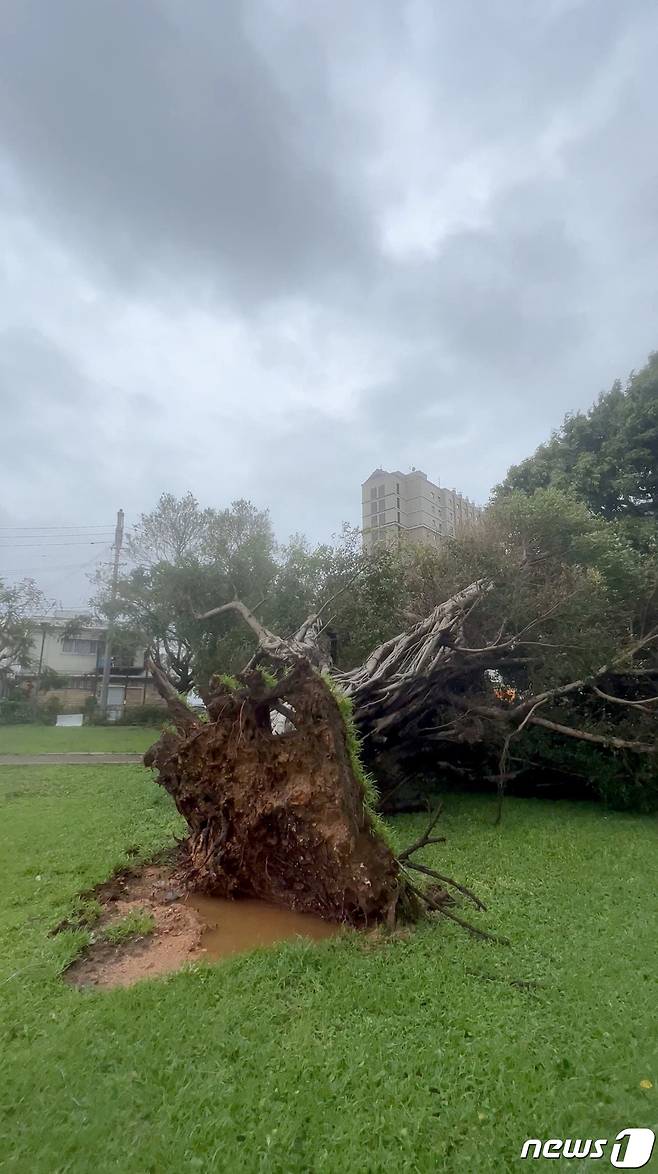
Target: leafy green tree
[
  {"x": 186, "y": 560},
  {"x": 175, "y": 530},
  {"x": 607, "y": 457},
  {"x": 18, "y": 603}
]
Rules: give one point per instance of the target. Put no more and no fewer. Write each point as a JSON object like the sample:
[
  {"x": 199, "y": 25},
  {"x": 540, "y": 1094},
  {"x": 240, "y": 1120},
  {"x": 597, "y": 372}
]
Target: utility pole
[{"x": 107, "y": 660}]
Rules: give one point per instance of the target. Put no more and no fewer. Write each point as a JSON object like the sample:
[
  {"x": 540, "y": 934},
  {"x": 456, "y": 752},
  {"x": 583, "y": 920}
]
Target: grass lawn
[
  {"x": 342, "y": 1056},
  {"x": 51, "y": 739}
]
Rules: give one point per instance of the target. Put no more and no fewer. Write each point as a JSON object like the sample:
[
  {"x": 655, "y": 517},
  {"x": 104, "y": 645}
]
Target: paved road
[{"x": 89, "y": 759}]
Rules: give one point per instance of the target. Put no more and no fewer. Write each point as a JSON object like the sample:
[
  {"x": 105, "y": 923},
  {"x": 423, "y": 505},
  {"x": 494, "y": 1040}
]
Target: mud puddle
[
  {"x": 232, "y": 927},
  {"x": 181, "y": 929}
]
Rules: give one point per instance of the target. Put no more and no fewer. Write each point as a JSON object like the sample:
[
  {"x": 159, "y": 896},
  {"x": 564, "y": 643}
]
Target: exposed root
[{"x": 438, "y": 907}]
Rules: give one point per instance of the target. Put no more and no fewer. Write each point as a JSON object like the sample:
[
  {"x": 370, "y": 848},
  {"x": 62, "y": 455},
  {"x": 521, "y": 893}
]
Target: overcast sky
[{"x": 257, "y": 249}]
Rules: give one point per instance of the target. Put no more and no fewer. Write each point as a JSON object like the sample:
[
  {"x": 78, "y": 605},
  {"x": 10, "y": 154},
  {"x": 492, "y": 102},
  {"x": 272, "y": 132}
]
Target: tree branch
[
  {"x": 598, "y": 739},
  {"x": 643, "y": 705}
]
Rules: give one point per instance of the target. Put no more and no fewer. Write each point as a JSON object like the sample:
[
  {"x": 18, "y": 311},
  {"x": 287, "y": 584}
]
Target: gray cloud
[
  {"x": 149, "y": 135},
  {"x": 256, "y": 249}
]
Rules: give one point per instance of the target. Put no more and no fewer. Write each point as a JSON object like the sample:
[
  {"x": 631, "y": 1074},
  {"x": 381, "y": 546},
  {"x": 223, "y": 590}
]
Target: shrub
[
  {"x": 619, "y": 778},
  {"x": 143, "y": 715},
  {"x": 16, "y": 711}
]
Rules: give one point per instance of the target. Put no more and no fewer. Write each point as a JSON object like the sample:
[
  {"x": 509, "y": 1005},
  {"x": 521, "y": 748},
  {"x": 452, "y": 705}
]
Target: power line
[
  {"x": 50, "y": 570},
  {"x": 69, "y": 571},
  {"x": 50, "y": 545},
  {"x": 73, "y": 526},
  {"x": 42, "y": 567}
]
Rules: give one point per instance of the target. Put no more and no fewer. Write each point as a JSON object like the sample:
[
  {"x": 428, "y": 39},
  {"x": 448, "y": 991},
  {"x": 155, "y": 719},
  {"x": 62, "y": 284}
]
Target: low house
[{"x": 74, "y": 648}]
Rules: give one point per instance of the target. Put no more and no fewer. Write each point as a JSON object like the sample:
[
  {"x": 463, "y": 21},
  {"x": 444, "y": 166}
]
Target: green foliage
[
  {"x": 19, "y": 710},
  {"x": 228, "y": 681},
  {"x": 607, "y": 457},
  {"x": 18, "y": 603},
  {"x": 420, "y": 1045},
  {"x": 50, "y": 707},
  {"x": 16, "y": 711},
  {"x": 621, "y": 780},
  {"x": 190, "y": 560},
  {"x": 136, "y": 924},
  {"x": 176, "y": 530},
  {"x": 143, "y": 715},
  {"x": 362, "y": 776}
]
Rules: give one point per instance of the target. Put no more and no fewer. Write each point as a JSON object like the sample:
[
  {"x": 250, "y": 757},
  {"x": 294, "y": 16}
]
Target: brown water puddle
[
  {"x": 231, "y": 927},
  {"x": 185, "y": 929}
]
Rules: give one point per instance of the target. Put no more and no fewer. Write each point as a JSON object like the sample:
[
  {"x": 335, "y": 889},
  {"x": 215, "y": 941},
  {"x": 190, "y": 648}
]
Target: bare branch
[
  {"x": 598, "y": 739},
  {"x": 642, "y": 705},
  {"x": 447, "y": 880},
  {"x": 264, "y": 635},
  {"x": 504, "y": 757},
  {"x": 424, "y": 839}
]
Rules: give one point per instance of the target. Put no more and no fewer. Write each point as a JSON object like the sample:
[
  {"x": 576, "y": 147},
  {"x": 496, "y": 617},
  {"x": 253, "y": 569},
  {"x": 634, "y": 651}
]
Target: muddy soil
[{"x": 187, "y": 928}]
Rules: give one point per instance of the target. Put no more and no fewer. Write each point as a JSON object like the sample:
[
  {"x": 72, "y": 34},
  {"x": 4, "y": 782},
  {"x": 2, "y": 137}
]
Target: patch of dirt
[
  {"x": 175, "y": 939},
  {"x": 187, "y": 928}
]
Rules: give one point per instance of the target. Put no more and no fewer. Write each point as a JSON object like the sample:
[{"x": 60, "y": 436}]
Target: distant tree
[
  {"x": 18, "y": 603},
  {"x": 607, "y": 457},
  {"x": 176, "y": 529},
  {"x": 186, "y": 559}
]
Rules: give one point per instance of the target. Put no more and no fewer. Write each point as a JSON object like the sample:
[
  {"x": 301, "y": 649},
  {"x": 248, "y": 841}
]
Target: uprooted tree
[
  {"x": 524, "y": 650},
  {"x": 272, "y": 785},
  {"x": 276, "y": 799}
]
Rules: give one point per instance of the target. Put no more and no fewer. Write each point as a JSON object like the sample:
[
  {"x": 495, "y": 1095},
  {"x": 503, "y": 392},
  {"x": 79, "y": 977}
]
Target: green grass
[
  {"x": 341, "y": 1056},
  {"x": 51, "y": 739},
  {"x": 135, "y": 924}
]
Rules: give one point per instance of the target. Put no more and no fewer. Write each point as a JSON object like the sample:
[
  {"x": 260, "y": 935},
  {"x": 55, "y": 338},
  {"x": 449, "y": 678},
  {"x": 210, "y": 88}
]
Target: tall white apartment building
[{"x": 410, "y": 506}]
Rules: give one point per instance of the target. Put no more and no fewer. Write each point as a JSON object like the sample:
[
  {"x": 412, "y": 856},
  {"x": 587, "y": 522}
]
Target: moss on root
[{"x": 363, "y": 777}]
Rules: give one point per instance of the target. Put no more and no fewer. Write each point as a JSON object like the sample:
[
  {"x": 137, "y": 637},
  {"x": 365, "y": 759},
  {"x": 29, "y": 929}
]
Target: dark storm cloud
[
  {"x": 261, "y": 247},
  {"x": 150, "y": 130}
]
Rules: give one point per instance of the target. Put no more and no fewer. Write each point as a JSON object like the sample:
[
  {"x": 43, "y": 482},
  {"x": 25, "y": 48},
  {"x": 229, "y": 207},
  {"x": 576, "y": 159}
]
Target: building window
[
  {"x": 78, "y": 647},
  {"x": 397, "y": 486},
  {"x": 380, "y": 490},
  {"x": 382, "y": 506},
  {"x": 398, "y": 515},
  {"x": 373, "y": 507},
  {"x": 373, "y": 491}
]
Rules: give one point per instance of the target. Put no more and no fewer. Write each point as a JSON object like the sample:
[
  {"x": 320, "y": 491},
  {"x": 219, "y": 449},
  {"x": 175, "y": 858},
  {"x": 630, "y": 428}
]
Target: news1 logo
[{"x": 631, "y": 1149}]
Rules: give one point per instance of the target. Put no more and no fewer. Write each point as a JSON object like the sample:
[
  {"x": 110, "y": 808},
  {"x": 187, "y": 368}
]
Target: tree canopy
[
  {"x": 186, "y": 558},
  {"x": 607, "y": 457},
  {"x": 18, "y": 603}
]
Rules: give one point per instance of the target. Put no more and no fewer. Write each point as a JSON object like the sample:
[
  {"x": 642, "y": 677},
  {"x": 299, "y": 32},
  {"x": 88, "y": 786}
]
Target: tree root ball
[{"x": 275, "y": 803}]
